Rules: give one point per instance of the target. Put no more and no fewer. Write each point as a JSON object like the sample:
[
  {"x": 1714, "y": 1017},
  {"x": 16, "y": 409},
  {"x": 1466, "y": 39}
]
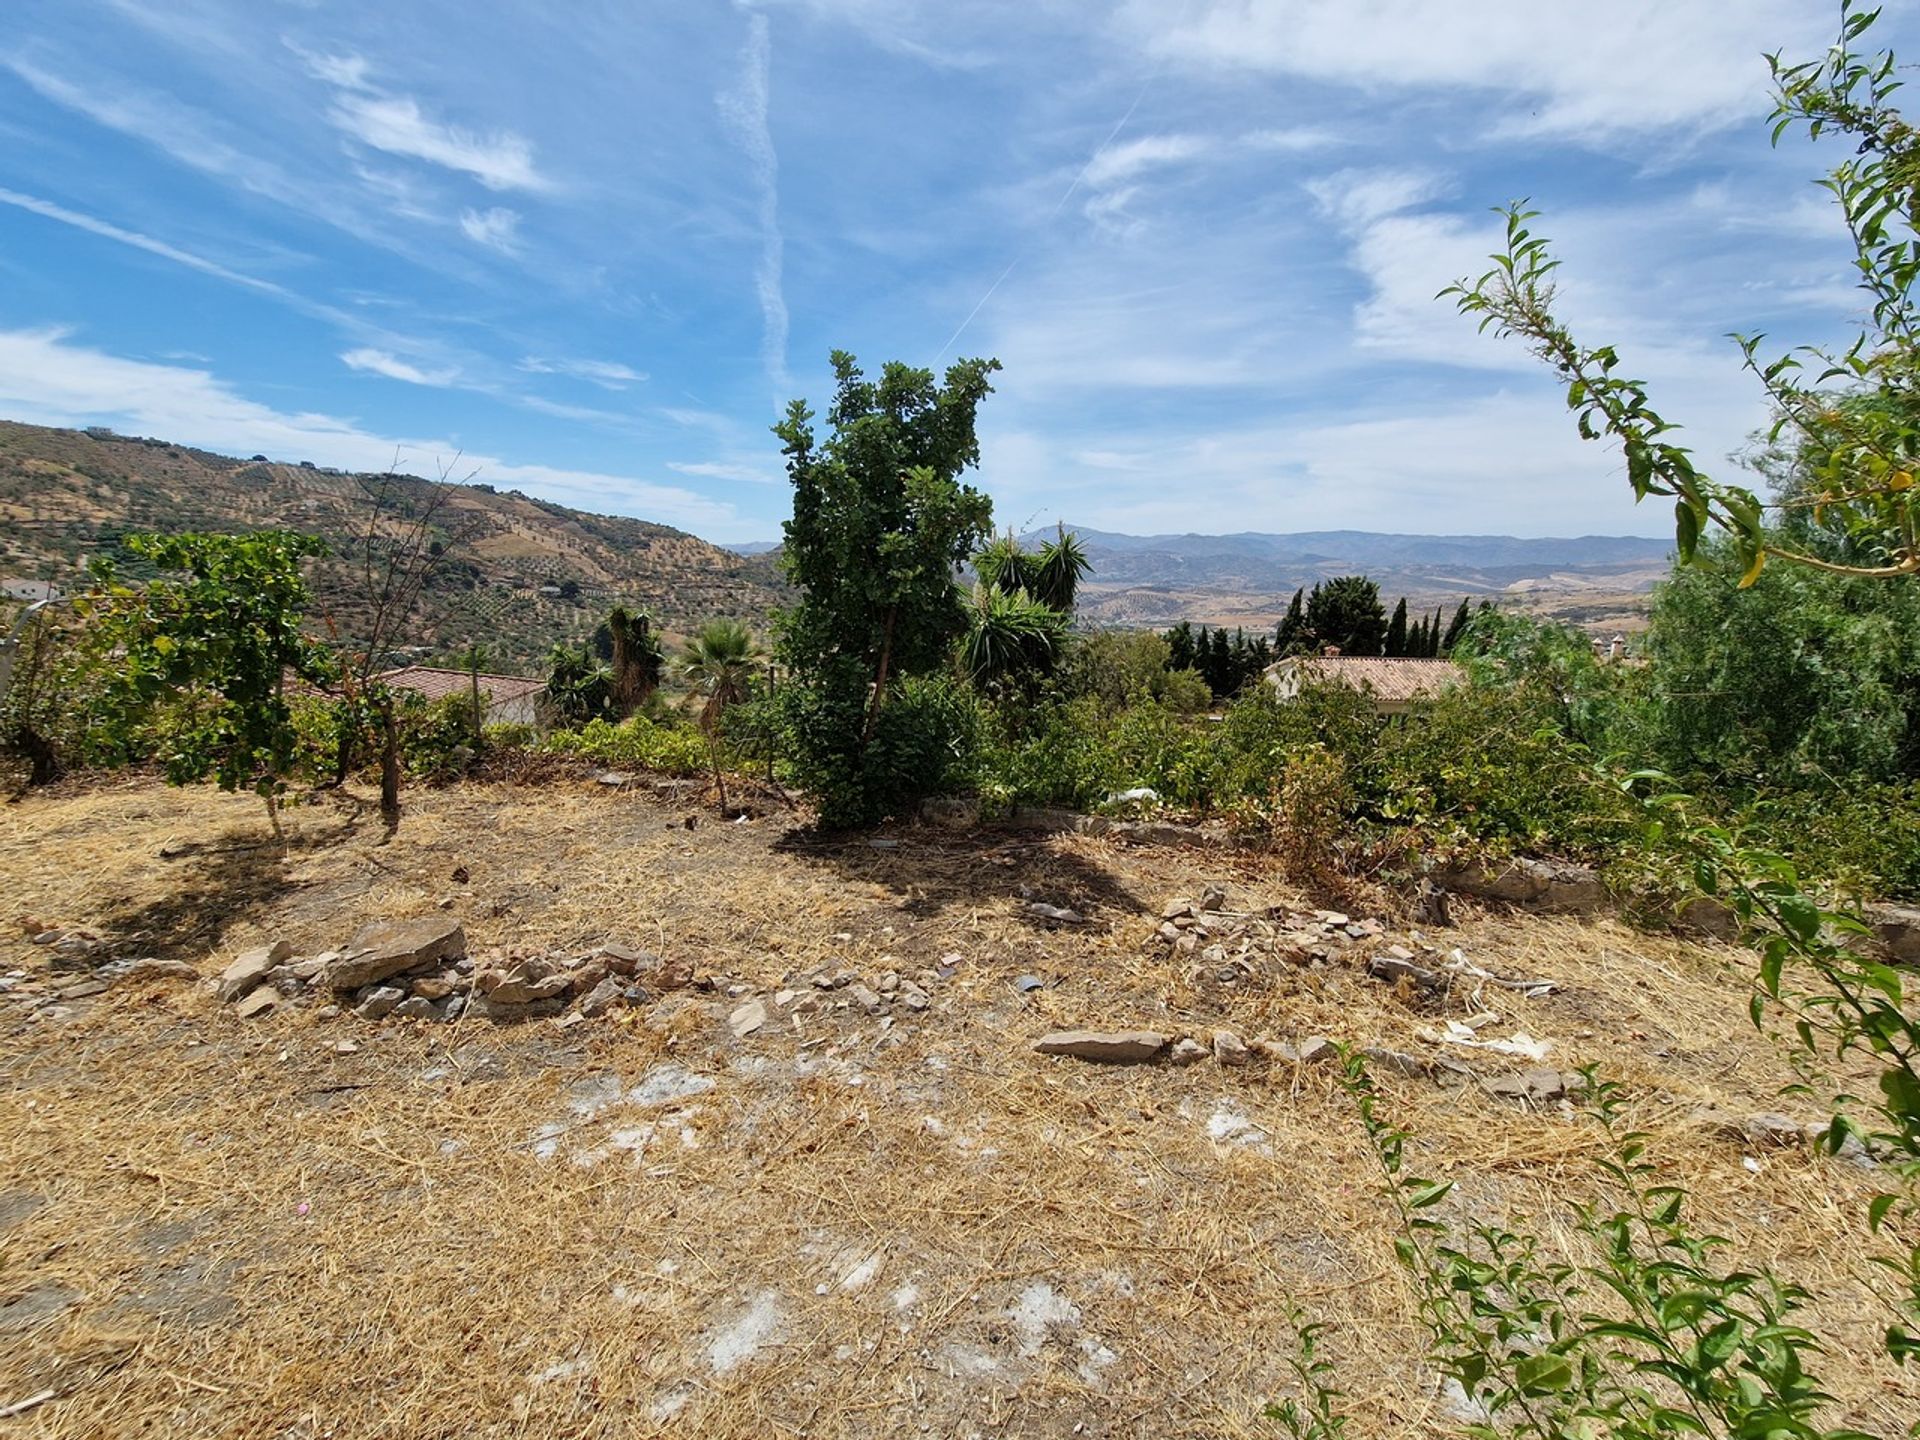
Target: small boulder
[
  {"x": 1229, "y": 1048},
  {"x": 748, "y": 1018},
  {"x": 1188, "y": 1051},
  {"x": 416, "y": 1007},
  {"x": 151, "y": 969},
  {"x": 388, "y": 947},
  {"x": 1117, "y": 1047},
  {"x": 863, "y": 996},
  {"x": 263, "y": 999},
  {"x": 436, "y": 987},
  {"x": 250, "y": 968},
  {"x": 380, "y": 1002},
  {"x": 602, "y": 997}
]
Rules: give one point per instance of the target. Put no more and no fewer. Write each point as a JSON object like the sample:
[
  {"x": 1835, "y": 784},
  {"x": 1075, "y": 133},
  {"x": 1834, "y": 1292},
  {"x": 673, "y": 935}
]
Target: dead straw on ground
[{"x": 213, "y": 1228}]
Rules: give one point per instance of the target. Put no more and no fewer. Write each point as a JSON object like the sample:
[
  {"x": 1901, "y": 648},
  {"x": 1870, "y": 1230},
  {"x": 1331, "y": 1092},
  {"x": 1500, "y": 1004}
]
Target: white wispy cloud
[
  {"x": 1645, "y": 65},
  {"x": 1358, "y": 197},
  {"x": 107, "y": 230},
  {"x": 398, "y": 125},
  {"x": 380, "y": 362},
  {"x": 721, "y": 470},
  {"x": 608, "y": 374},
  {"x": 1119, "y": 163},
  {"x": 497, "y": 228},
  {"x": 47, "y": 379},
  {"x": 744, "y": 110}
]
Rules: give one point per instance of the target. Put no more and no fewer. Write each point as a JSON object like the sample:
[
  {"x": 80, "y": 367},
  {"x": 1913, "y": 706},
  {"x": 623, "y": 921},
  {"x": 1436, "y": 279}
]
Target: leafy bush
[{"x": 672, "y": 749}]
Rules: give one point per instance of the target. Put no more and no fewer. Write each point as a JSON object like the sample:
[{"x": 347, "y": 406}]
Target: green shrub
[{"x": 672, "y": 749}]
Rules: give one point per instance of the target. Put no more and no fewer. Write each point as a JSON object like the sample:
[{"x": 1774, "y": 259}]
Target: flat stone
[
  {"x": 250, "y": 967},
  {"x": 1119, "y": 1047},
  {"x": 867, "y": 999},
  {"x": 380, "y": 1002},
  {"x": 1317, "y": 1050},
  {"x": 1896, "y": 931},
  {"x": 84, "y": 990},
  {"x": 748, "y": 1018},
  {"x": 263, "y": 999},
  {"x": 520, "y": 991},
  {"x": 387, "y": 947},
  {"x": 1188, "y": 1051},
  {"x": 1229, "y": 1048},
  {"x": 1055, "y": 914},
  {"x": 603, "y": 997}
]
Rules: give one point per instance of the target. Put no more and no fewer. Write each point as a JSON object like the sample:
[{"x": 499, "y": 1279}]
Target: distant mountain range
[{"x": 1248, "y": 577}]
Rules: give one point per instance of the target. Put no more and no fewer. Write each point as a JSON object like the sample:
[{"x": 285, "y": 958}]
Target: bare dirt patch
[{"x": 852, "y": 1225}]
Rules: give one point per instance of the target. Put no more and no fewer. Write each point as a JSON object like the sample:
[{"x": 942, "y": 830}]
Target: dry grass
[{"x": 216, "y": 1229}]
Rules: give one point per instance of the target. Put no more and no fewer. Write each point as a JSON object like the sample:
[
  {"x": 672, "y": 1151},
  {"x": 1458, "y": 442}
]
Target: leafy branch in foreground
[
  {"x": 1866, "y": 430},
  {"x": 1650, "y": 1337}
]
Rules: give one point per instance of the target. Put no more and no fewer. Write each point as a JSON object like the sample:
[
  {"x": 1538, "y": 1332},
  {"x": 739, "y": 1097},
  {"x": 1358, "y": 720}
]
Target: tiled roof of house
[
  {"x": 1388, "y": 679},
  {"x": 433, "y": 684}
]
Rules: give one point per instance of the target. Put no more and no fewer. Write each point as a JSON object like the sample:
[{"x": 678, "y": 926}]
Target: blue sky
[{"x": 593, "y": 248}]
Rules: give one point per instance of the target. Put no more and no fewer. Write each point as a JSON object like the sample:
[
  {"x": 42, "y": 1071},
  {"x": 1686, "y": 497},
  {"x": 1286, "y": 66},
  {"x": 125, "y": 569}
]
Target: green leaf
[{"x": 1542, "y": 1374}]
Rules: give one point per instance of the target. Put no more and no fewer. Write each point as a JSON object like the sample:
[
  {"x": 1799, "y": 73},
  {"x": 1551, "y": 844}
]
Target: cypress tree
[
  {"x": 1397, "y": 630},
  {"x": 1458, "y": 624},
  {"x": 1291, "y": 631}
]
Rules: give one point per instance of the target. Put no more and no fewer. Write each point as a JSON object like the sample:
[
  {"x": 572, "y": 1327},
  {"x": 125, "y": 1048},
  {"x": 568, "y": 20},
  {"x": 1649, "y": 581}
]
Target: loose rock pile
[
  {"x": 420, "y": 970},
  {"x": 829, "y": 989}
]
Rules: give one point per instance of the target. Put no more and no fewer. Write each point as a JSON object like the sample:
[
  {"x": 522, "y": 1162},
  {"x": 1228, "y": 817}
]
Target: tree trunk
[
  {"x": 880, "y": 676},
  {"x": 719, "y": 776},
  {"x": 389, "y": 767},
  {"x": 477, "y": 717},
  {"x": 42, "y": 758}
]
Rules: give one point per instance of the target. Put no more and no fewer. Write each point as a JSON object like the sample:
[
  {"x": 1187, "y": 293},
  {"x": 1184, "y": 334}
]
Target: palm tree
[
  {"x": 1002, "y": 565},
  {"x": 637, "y": 659},
  {"x": 718, "y": 663}
]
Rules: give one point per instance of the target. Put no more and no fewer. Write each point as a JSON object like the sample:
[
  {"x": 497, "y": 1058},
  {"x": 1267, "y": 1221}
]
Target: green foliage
[
  {"x": 1010, "y": 635},
  {"x": 881, "y": 524},
  {"x": 580, "y": 686},
  {"x": 1652, "y": 1336},
  {"x": 1122, "y": 667},
  {"x": 1802, "y": 673},
  {"x": 637, "y": 742},
  {"x": 925, "y": 743},
  {"x": 1347, "y": 613},
  {"x": 202, "y": 653}
]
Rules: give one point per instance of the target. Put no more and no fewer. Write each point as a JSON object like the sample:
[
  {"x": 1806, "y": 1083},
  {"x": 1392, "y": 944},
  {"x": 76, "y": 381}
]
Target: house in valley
[
  {"x": 1394, "y": 684},
  {"x": 504, "y": 699}
]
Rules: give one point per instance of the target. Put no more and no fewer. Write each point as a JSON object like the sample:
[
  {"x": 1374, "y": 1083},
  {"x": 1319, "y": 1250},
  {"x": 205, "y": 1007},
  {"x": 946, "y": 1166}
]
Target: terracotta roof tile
[
  {"x": 435, "y": 684},
  {"x": 1395, "y": 679}
]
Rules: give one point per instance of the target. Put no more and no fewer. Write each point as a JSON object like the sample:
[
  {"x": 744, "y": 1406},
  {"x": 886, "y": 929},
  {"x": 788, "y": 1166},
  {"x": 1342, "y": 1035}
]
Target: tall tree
[
  {"x": 881, "y": 525},
  {"x": 1456, "y": 626},
  {"x": 1180, "y": 646},
  {"x": 1396, "y": 643},
  {"x": 1347, "y": 613},
  {"x": 1291, "y": 634}
]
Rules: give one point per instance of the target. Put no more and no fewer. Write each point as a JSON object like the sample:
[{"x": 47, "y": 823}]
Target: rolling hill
[{"x": 521, "y": 573}]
